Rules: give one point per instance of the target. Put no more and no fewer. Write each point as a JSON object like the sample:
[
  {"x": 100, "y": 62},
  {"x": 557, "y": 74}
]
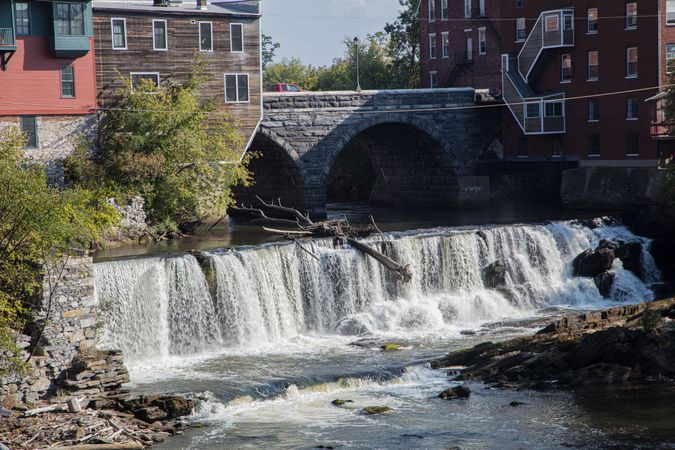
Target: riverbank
[{"x": 628, "y": 344}]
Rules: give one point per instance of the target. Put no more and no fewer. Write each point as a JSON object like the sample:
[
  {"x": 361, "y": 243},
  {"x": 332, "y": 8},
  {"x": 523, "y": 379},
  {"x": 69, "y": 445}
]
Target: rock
[
  {"x": 630, "y": 254},
  {"x": 604, "y": 283},
  {"x": 593, "y": 263},
  {"x": 391, "y": 347},
  {"x": 5, "y": 412},
  {"x": 370, "y": 410},
  {"x": 494, "y": 274},
  {"x": 150, "y": 414},
  {"x": 174, "y": 406},
  {"x": 340, "y": 402},
  {"x": 456, "y": 392},
  {"x": 79, "y": 433},
  {"x": 516, "y": 404},
  {"x": 350, "y": 326}
]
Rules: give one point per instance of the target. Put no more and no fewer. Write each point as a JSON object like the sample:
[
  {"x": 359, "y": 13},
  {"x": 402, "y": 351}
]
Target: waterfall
[{"x": 246, "y": 297}]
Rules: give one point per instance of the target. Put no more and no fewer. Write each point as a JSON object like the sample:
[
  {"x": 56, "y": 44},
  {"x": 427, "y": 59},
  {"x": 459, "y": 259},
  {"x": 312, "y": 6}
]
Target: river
[{"x": 265, "y": 336}]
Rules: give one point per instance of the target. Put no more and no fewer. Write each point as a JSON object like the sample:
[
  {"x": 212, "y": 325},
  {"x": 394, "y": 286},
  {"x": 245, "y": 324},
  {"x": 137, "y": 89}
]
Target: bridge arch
[
  {"x": 411, "y": 163},
  {"x": 277, "y": 172}
]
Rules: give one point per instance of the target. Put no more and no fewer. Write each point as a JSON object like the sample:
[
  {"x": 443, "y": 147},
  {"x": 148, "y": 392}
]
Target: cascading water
[{"x": 168, "y": 306}]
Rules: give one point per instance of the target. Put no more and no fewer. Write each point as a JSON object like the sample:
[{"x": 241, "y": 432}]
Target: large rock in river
[
  {"x": 494, "y": 274},
  {"x": 593, "y": 263}
]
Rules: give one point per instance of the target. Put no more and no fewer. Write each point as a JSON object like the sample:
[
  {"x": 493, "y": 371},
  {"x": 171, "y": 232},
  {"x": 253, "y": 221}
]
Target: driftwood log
[{"x": 292, "y": 224}]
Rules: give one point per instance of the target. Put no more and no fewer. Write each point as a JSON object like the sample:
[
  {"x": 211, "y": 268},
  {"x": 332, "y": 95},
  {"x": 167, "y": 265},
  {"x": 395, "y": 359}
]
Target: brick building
[
  {"x": 553, "y": 61},
  {"x": 47, "y": 74},
  {"x": 158, "y": 40}
]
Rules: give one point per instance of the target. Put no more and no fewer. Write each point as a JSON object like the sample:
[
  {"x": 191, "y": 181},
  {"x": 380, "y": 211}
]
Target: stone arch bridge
[{"x": 422, "y": 147}]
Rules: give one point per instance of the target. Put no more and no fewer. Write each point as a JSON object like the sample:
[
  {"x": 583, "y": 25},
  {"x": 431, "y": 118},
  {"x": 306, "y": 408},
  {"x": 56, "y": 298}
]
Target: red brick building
[{"x": 554, "y": 62}]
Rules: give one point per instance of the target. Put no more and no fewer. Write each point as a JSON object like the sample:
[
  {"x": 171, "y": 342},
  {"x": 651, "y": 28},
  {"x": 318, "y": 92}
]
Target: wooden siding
[{"x": 176, "y": 62}]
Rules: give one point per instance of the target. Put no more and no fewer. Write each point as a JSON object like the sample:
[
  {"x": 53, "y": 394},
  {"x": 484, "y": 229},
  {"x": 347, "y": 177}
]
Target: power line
[{"x": 460, "y": 19}]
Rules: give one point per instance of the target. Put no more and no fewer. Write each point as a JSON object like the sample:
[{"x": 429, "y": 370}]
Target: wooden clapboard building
[{"x": 157, "y": 40}]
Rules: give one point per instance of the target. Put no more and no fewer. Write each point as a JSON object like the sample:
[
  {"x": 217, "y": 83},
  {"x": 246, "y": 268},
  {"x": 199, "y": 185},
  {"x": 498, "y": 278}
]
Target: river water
[{"x": 265, "y": 337}]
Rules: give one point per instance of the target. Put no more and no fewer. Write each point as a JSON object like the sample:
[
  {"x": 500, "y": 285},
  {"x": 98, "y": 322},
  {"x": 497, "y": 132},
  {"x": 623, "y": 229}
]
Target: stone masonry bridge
[{"x": 401, "y": 147}]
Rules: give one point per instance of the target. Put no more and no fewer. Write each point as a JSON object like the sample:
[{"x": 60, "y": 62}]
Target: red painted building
[
  {"x": 47, "y": 78},
  {"x": 575, "y": 75}
]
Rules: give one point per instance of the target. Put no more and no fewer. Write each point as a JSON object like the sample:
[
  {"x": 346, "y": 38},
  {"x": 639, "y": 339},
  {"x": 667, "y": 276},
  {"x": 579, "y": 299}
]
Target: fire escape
[{"x": 537, "y": 114}]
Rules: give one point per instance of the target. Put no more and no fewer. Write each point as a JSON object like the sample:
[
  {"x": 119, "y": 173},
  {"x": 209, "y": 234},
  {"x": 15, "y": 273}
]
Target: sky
[{"x": 313, "y": 30}]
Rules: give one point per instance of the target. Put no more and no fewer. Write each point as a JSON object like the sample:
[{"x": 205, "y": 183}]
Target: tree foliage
[
  {"x": 175, "y": 149},
  {"x": 38, "y": 223},
  {"x": 269, "y": 47},
  {"x": 404, "y": 43}
]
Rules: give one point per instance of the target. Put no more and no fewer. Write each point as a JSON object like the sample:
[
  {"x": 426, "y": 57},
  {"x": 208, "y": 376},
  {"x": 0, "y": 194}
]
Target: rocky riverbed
[{"x": 630, "y": 344}]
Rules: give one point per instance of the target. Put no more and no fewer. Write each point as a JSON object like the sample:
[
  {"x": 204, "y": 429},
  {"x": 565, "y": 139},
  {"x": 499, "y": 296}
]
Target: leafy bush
[
  {"x": 651, "y": 320},
  {"x": 176, "y": 150},
  {"x": 38, "y": 223}
]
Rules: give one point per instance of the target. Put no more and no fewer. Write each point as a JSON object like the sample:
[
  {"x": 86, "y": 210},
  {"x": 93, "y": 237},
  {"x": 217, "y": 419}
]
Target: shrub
[{"x": 651, "y": 320}]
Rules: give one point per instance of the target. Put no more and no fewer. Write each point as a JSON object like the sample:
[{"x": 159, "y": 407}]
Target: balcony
[{"x": 7, "y": 46}]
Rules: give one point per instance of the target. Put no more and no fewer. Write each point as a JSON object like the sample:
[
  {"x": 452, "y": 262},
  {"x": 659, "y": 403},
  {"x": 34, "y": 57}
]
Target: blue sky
[{"x": 313, "y": 30}]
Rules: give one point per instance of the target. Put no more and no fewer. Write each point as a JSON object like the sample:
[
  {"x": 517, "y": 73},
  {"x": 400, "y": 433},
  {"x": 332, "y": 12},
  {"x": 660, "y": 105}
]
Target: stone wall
[
  {"x": 57, "y": 138},
  {"x": 614, "y": 188},
  {"x": 69, "y": 322}
]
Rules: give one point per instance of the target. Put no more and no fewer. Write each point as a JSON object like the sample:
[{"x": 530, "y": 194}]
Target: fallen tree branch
[{"x": 403, "y": 272}]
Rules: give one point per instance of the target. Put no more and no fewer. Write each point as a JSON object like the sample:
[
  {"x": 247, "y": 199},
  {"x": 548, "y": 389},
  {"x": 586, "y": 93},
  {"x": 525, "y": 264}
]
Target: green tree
[
  {"x": 404, "y": 43},
  {"x": 291, "y": 71},
  {"x": 38, "y": 224},
  {"x": 180, "y": 152},
  {"x": 269, "y": 47}
]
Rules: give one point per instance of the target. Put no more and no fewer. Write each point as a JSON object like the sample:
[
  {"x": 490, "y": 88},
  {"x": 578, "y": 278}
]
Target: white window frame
[
  {"x": 445, "y": 13},
  {"x": 445, "y": 44},
  {"x": 557, "y": 23},
  {"x": 527, "y": 111},
  {"x": 112, "y": 33},
  {"x": 243, "y": 46},
  {"x": 482, "y": 49},
  {"x": 670, "y": 8},
  {"x": 562, "y": 67},
  {"x": 166, "y": 36},
  {"x": 467, "y": 9},
  {"x": 524, "y": 22},
  {"x": 636, "y": 111},
  {"x": 628, "y": 26},
  {"x": 554, "y": 102},
  {"x": 131, "y": 77},
  {"x": 588, "y": 66},
  {"x": 588, "y": 21},
  {"x": 432, "y": 10},
  {"x": 432, "y": 45},
  {"x": 72, "y": 66},
  {"x": 670, "y": 68},
  {"x": 631, "y": 75},
  {"x": 433, "y": 79},
  {"x": 199, "y": 24},
  {"x": 236, "y": 78}
]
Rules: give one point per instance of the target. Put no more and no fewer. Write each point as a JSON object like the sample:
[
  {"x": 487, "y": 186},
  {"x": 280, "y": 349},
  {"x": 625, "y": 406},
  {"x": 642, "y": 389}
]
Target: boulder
[
  {"x": 174, "y": 406},
  {"x": 350, "y": 326},
  {"x": 370, "y": 410},
  {"x": 494, "y": 274},
  {"x": 456, "y": 392},
  {"x": 150, "y": 414},
  {"x": 630, "y": 254},
  {"x": 604, "y": 283},
  {"x": 593, "y": 263},
  {"x": 340, "y": 402}
]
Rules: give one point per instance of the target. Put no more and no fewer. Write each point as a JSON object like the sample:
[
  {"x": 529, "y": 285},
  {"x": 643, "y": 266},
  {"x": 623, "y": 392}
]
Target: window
[
  {"x": 236, "y": 88},
  {"x": 566, "y": 68},
  {"x": 521, "y": 32},
  {"x": 482, "y": 41},
  {"x": 552, "y": 23},
  {"x": 631, "y": 15},
  {"x": 593, "y": 145},
  {"x": 159, "y": 38},
  {"x": 433, "y": 79},
  {"x": 632, "y": 108},
  {"x": 632, "y": 144},
  {"x": 670, "y": 58},
  {"x": 119, "y": 34},
  {"x": 147, "y": 80},
  {"x": 444, "y": 10},
  {"x": 432, "y": 46},
  {"x": 70, "y": 18},
  {"x": 28, "y": 126},
  {"x": 631, "y": 62},
  {"x": 593, "y": 110},
  {"x": 237, "y": 37},
  {"x": 432, "y": 10},
  {"x": 519, "y": 3},
  {"x": 467, "y": 9},
  {"x": 568, "y": 21},
  {"x": 445, "y": 41},
  {"x": 22, "y": 18},
  {"x": 205, "y": 37},
  {"x": 553, "y": 109},
  {"x": 592, "y": 15},
  {"x": 67, "y": 81},
  {"x": 593, "y": 65},
  {"x": 532, "y": 110},
  {"x": 289, "y": 88},
  {"x": 522, "y": 147},
  {"x": 670, "y": 12}
]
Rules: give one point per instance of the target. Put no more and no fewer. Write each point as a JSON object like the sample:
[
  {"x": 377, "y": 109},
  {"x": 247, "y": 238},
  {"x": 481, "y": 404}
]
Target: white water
[{"x": 162, "y": 307}]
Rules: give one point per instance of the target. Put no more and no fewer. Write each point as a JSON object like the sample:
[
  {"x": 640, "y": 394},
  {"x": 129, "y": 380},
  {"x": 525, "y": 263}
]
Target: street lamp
[{"x": 358, "y": 76}]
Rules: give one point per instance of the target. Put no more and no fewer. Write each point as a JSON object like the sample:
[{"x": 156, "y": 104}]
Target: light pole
[{"x": 358, "y": 75}]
